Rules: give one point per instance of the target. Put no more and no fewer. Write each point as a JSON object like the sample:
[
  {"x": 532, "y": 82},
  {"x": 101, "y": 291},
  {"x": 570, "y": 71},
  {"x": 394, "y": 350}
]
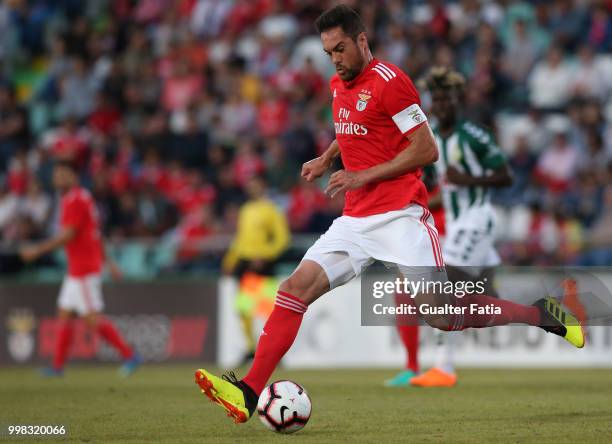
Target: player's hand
[
  {"x": 343, "y": 180},
  {"x": 29, "y": 253},
  {"x": 115, "y": 271},
  {"x": 456, "y": 177},
  {"x": 315, "y": 168}
]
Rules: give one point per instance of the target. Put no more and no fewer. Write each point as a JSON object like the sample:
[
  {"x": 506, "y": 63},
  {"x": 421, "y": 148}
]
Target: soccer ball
[{"x": 284, "y": 407}]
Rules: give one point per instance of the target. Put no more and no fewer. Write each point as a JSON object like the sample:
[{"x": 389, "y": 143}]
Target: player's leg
[
  {"x": 63, "y": 340},
  {"x": 67, "y": 303},
  {"x": 408, "y": 332},
  {"x": 333, "y": 260},
  {"x": 307, "y": 283},
  {"x": 414, "y": 227},
  {"x": 92, "y": 312},
  {"x": 239, "y": 398},
  {"x": 480, "y": 311}
]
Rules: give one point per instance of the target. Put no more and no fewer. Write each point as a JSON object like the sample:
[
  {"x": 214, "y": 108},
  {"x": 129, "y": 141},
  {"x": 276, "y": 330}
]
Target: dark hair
[
  {"x": 443, "y": 78},
  {"x": 346, "y": 18},
  {"x": 66, "y": 164}
]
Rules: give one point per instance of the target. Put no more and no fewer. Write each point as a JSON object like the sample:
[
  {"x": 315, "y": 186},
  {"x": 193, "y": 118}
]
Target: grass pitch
[{"x": 162, "y": 404}]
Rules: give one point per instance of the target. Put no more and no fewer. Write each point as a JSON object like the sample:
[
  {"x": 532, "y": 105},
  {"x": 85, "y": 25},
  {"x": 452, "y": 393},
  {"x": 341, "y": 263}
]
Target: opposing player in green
[{"x": 470, "y": 165}]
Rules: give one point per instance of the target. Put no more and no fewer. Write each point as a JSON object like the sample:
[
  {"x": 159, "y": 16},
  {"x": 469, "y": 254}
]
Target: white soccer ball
[{"x": 284, "y": 407}]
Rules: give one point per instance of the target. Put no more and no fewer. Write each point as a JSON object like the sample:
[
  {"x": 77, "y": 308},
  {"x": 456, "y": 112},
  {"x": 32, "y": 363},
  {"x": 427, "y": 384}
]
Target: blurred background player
[
  {"x": 262, "y": 237},
  {"x": 470, "y": 165},
  {"x": 81, "y": 291}
]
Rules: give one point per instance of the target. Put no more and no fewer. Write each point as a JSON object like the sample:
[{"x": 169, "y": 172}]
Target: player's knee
[
  {"x": 91, "y": 319},
  {"x": 301, "y": 287},
  {"x": 295, "y": 287}
]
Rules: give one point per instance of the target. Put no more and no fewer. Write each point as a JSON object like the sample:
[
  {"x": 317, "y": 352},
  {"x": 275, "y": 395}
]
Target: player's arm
[
  {"x": 315, "y": 168},
  {"x": 33, "y": 252},
  {"x": 421, "y": 150},
  {"x": 113, "y": 267},
  {"x": 490, "y": 156},
  {"x": 498, "y": 178}
]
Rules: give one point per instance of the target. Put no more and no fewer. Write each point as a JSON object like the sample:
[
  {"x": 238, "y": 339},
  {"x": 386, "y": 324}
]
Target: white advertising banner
[{"x": 331, "y": 335}]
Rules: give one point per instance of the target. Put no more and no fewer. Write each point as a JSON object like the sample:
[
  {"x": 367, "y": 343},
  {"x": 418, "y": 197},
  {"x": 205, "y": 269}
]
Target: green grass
[{"x": 162, "y": 404}]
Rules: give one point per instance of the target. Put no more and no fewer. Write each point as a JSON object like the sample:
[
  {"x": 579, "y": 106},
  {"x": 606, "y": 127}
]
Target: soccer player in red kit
[
  {"x": 81, "y": 291},
  {"x": 385, "y": 140}
]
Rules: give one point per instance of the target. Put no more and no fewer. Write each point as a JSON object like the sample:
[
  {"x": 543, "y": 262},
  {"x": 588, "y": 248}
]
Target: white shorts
[
  {"x": 470, "y": 240},
  {"x": 82, "y": 295},
  {"x": 405, "y": 238}
]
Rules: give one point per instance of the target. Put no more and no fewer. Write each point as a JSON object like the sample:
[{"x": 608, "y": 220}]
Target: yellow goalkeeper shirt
[{"x": 262, "y": 233}]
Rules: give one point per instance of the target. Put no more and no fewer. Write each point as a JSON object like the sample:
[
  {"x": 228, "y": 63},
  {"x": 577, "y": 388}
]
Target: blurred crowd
[{"x": 169, "y": 107}]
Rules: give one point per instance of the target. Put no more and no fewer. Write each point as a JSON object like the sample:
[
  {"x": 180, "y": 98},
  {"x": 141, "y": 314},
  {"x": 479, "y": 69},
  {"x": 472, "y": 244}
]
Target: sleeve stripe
[
  {"x": 386, "y": 70},
  {"x": 383, "y": 75},
  {"x": 409, "y": 118}
]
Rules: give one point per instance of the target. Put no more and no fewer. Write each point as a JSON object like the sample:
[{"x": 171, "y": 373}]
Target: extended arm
[
  {"x": 499, "y": 178},
  {"x": 31, "y": 253}
]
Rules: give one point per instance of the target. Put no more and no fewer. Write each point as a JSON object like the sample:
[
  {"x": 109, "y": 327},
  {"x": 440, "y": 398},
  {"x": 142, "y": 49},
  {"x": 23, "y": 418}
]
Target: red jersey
[
  {"x": 373, "y": 113},
  {"x": 84, "y": 251}
]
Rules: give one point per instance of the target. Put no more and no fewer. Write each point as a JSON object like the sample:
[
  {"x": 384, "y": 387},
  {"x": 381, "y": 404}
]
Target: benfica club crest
[{"x": 363, "y": 101}]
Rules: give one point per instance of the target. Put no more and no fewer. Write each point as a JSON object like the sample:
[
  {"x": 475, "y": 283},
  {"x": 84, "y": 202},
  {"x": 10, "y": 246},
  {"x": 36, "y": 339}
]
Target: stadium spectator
[
  {"x": 192, "y": 232},
  {"x": 557, "y": 166},
  {"x": 9, "y": 205},
  {"x": 520, "y": 53},
  {"x": 549, "y": 81},
  {"x": 36, "y": 204},
  {"x": 14, "y": 131}
]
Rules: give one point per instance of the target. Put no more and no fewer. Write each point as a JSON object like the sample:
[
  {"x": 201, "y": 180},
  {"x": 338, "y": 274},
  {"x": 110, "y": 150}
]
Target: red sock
[
  {"x": 109, "y": 333},
  {"x": 276, "y": 338},
  {"x": 408, "y": 330},
  {"x": 62, "y": 344},
  {"x": 409, "y": 334},
  {"x": 511, "y": 312}
]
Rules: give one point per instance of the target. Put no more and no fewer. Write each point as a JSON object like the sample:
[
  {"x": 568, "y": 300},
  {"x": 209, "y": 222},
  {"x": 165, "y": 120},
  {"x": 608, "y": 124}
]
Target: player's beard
[{"x": 351, "y": 73}]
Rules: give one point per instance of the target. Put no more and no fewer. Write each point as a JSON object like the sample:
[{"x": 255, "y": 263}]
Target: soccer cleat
[
  {"x": 238, "y": 399},
  {"x": 50, "y": 372},
  {"x": 402, "y": 379},
  {"x": 434, "y": 377},
  {"x": 130, "y": 365},
  {"x": 554, "y": 319}
]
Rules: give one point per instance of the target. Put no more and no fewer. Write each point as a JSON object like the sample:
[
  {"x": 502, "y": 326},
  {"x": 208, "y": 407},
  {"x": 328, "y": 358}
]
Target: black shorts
[{"x": 244, "y": 265}]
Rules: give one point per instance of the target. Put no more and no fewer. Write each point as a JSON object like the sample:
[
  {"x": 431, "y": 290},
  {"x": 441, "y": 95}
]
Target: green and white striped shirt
[{"x": 471, "y": 150}]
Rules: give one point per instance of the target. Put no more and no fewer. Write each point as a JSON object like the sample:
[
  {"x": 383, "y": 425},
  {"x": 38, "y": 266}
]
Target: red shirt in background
[
  {"x": 84, "y": 251},
  {"x": 305, "y": 201},
  {"x": 272, "y": 117}
]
